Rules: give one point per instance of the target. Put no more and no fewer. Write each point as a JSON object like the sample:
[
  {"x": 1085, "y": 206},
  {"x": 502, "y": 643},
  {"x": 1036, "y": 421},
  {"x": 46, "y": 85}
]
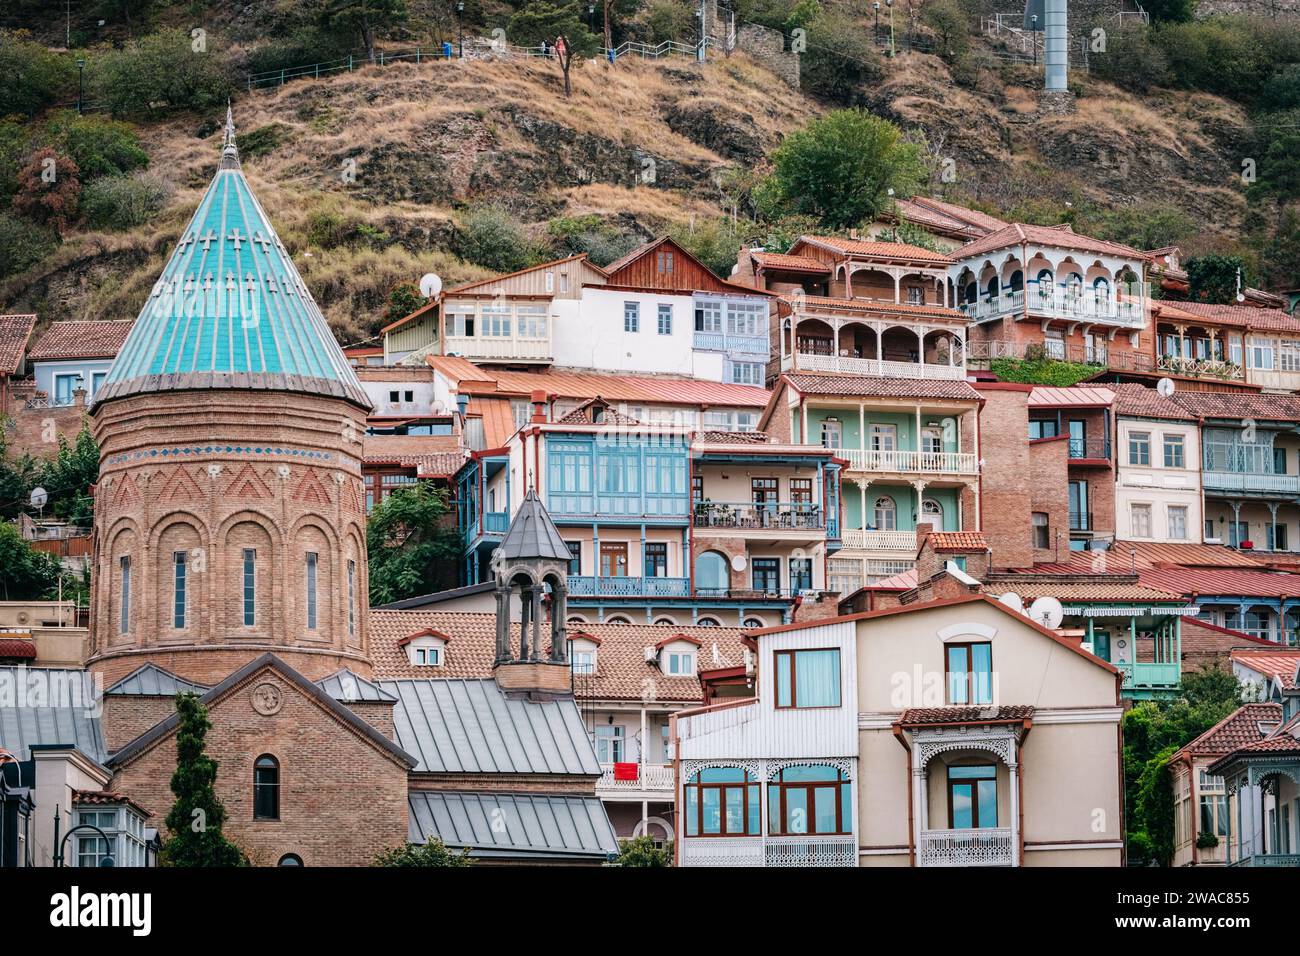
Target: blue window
[
  {"x": 569, "y": 489},
  {"x": 250, "y": 587},
  {"x": 712, "y": 574},
  {"x": 618, "y": 479},
  {"x": 124, "y": 618},
  {"x": 808, "y": 678},
  {"x": 311, "y": 590},
  {"x": 747, "y": 373},
  {"x": 800, "y": 575},
  {"x": 631, "y": 317},
  {"x": 665, "y": 320},
  {"x": 178, "y": 590},
  {"x": 972, "y": 797},
  {"x": 809, "y": 799},
  {"x": 970, "y": 673},
  {"x": 722, "y": 801}
]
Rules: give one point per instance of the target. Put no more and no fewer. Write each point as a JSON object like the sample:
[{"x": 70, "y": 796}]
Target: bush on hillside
[
  {"x": 669, "y": 20},
  {"x": 1132, "y": 59},
  {"x": 49, "y": 188},
  {"x": 33, "y": 77},
  {"x": 1147, "y": 225},
  {"x": 23, "y": 243},
  {"x": 117, "y": 203},
  {"x": 714, "y": 242},
  {"x": 100, "y": 146},
  {"x": 602, "y": 242},
  {"x": 840, "y": 61},
  {"x": 491, "y": 237},
  {"x": 160, "y": 72}
]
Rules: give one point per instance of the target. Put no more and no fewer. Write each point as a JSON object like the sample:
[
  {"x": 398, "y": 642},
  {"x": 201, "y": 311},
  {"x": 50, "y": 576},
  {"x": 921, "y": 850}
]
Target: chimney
[
  {"x": 539, "y": 407},
  {"x": 927, "y": 562},
  {"x": 462, "y": 406}
]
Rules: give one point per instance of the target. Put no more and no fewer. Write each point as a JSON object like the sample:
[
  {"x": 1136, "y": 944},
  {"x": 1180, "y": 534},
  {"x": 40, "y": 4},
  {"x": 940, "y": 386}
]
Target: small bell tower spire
[{"x": 229, "y": 151}]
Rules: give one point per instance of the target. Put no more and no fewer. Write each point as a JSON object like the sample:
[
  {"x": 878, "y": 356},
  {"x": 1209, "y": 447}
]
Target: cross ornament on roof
[
  {"x": 236, "y": 238},
  {"x": 208, "y": 240},
  {"x": 262, "y": 241}
]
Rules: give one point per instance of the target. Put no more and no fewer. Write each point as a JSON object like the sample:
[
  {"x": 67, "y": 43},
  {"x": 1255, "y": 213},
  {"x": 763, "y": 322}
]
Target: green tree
[
  {"x": 31, "y": 77},
  {"x": 18, "y": 476},
  {"x": 402, "y": 301},
  {"x": 714, "y": 242},
  {"x": 1154, "y": 807},
  {"x": 668, "y": 20},
  {"x": 410, "y": 543},
  {"x": 951, "y": 26},
  {"x": 1170, "y": 11},
  {"x": 840, "y": 63},
  {"x": 433, "y": 853},
  {"x": 159, "y": 72},
  {"x": 491, "y": 237},
  {"x": 641, "y": 851},
  {"x": 25, "y": 573},
  {"x": 843, "y": 166},
  {"x": 362, "y": 19},
  {"x": 119, "y": 203},
  {"x": 1147, "y": 225},
  {"x": 196, "y": 818},
  {"x": 67, "y": 478},
  {"x": 559, "y": 25},
  {"x": 1131, "y": 59},
  {"x": 1214, "y": 278},
  {"x": 98, "y": 145}
]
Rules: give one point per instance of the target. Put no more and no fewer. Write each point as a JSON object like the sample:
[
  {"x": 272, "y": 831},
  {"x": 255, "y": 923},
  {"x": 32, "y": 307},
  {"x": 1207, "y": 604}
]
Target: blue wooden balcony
[
  {"x": 1145, "y": 676},
  {"x": 651, "y": 586}
]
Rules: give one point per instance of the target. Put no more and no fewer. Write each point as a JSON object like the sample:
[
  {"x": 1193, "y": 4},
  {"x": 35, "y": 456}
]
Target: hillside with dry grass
[{"x": 369, "y": 175}]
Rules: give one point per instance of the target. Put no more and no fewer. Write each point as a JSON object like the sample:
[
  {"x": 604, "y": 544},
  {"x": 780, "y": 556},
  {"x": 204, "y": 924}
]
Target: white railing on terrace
[
  {"x": 926, "y": 462},
  {"x": 1061, "y": 303},
  {"x": 712, "y": 721},
  {"x": 877, "y": 368},
  {"x": 863, "y": 540},
  {"x": 649, "y": 777},
  {"x": 503, "y": 347},
  {"x": 974, "y": 847},
  {"x": 811, "y": 850},
  {"x": 722, "y": 851}
]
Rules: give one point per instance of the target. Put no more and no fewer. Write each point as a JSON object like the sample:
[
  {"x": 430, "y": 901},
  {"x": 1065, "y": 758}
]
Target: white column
[
  {"x": 897, "y": 288},
  {"x": 919, "y": 800},
  {"x": 862, "y": 491},
  {"x": 1014, "y": 767}
]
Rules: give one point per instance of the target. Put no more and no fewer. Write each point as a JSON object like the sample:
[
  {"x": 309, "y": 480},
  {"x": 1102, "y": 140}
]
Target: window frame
[
  {"x": 1139, "y": 447},
  {"x": 694, "y": 783},
  {"x": 969, "y": 673},
  {"x": 779, "y": 788},
  {"x": 792, "y": 674},
  {"x": 975, "y": 801},
  {"x": 631, "y": 317},
  {"x": 180, "y": 589},
  {"x": 260, "y": 787}
]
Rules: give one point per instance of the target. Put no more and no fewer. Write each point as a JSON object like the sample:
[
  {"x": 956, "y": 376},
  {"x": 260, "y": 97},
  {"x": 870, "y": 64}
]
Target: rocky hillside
[{"x": 368, "y": 175}]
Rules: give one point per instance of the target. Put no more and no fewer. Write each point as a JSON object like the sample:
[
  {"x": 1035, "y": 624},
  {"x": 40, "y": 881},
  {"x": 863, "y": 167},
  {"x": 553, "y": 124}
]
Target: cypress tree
[{"x": 195, "y": 819}]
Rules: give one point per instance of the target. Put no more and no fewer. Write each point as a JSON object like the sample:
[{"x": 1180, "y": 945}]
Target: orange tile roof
[
  {"x": 1240, "y": 405},
  {"x": 1278, "y": 664},
  {"x": 868, "y": 305},
  {"x": 1151, "y": 554},
  {"x": 433, "y": 456},
  {"x": 1241, "y": 316},
  {"x": 861, "y": 385},
  {"x": 1223, "y": 581},
  {"x": 1143, "y": 402},
  {"x": 777, "y": 260},
  {"x": 622, "y": 672},
  {"x": 612, "y": 387},
  {"x": 962, "y": 214},
  {"x": 1082, "y": 592},
  {"x": 1238, "y": 729},
  {"x": 1060, "y": 237},
  {"x": 930, "y": 716},
  {"x": 498, "y": 419},
  {"x": 958, "y": 541},
  {"x": 15, "y": 330},
  {"x": 878, "y": 250},
  {"x": 80, "y": 339}
]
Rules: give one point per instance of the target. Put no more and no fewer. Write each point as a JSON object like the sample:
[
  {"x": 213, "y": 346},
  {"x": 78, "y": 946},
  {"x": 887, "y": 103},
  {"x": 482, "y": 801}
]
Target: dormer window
[
  {"x": 426, "y": 649},
  {"x": 681, "y": 663},
  {"x": 582, "y": 654}
]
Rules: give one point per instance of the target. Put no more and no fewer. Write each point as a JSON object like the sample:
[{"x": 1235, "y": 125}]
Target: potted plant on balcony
[{"x": 1206, "y": 840}]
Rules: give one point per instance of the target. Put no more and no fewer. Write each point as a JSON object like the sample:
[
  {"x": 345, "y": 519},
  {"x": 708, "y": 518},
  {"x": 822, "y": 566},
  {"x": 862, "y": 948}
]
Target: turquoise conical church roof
[{"x": 230, "y": 310}]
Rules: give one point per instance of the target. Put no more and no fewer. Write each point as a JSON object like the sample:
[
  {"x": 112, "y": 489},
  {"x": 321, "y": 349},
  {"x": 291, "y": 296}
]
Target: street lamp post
[
  {"x": 890, "y": 5},
  {"x": 591, "y": 17},
  {"x": 81, "y": 69},
  {"x": 61, "y": 844},
  {"x": 1033, "y": 36},
  {"x": 460, "y": 27},
  {"x": 876, "y": 34}
]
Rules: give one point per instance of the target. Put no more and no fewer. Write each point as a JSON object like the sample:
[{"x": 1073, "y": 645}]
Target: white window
[
  {"x": 609, "y": 743},
  {"x": 531, "y": 320},
  {"x": 1177, "y": 522},
  {"x": 886, "y": 515},
  {"x": 427, "y": 650},
  {"x": 1140, "y": 520},
  {"x": 708, "y": 316},
  {"x": 460, "y": 324},
  {"x": 665, "y": 319},
  {"x": 550, "y": 282},
  {"x": 884, "y": 437},
  {"x": 832, "y": 433},
  {"x": 747, "y": 373},
  {"x": 681, "y": 663},
  {"x": 496, "y": 321},
  {"x": 746, "y": 318},
  {"x": 631, "y": 317},
  {"x": 582, "y": 657}
]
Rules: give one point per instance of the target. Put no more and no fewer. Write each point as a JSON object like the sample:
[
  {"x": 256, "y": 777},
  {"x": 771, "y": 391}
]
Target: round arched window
[
  {"x": 753, "y": 622},
  {"x": 266, "y": 788},
  {"x": 666, "y": 620},
  {"x": 711, "y": 574},
  {"x": 290, "y": 859},
  {"x": 886, "y": 515},
  {"x": 617, "y": 619},
  {"x": 707, "y": 622}
]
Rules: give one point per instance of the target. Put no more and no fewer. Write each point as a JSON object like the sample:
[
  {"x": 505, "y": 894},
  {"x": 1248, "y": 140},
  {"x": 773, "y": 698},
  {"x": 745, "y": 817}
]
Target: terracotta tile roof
[
  {"x": 751, "y": 443},
  {"x": 15, "y": 330},
  {"x": 1238, "y": 729},
  {"x": 105, "y": 798},
  {"x": 1240, "y": 405},
  {"x": 733, "y": 438},
  {"x": 777, "y": 260},
  {"x": 1060, "y": 237},
  {"x": 958, "y": 541},
  {"x": 622, "y": 672},
  {"x": 1076, "y": 396},
  {"x": 432, "y": 456},
  {"x": 1142, "y": 402},
  {"x": 878, "y": 250},
  {"x": 899, "y": 582},
  {"x": 16, "y": 647},
  {"x": 964, "y": 214},
  {"x": 1152, "y": 554},
  {"x": 924, "y": 716},
  {"x": 612, "y": 387},
  {"x": 861, "y": 385},
  {"x": 1239, "y": 316},
  {"x": 1082, "y": 592},
  {"x": 585, "y": 414},
  {"x": 79, "y": 339},
  {"x": 1280, "y": 664},
  {"x": 832, "y": 303},
  {"x": 1223, "y": 581}
]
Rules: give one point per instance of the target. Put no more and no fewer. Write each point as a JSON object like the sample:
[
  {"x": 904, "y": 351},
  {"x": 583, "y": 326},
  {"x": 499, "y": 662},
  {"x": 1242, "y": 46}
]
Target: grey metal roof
[
  {"x": 346, "y": 686},
  {"x": 49, "y": 706},
  {"x": 437, "y": 597},
  {"x": 512, "y": 825},
  {"x": 161, "y": 729},
  {"x": 532, "y": 534},
  {"x": 151, "y": 680},
  {"x": 471, "y": 726}
]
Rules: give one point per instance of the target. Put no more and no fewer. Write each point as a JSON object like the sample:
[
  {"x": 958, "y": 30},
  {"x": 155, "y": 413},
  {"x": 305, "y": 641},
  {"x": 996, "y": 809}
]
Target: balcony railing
[
  {"x": 1269, "y": 859},
  {"x": 924, "y": 462},
  {"x": 877, "y": 368},
  {"x": 615, "y": 586},
  {"x": 1199, "y": 368},
  {"x": 733, "y": 342},
  {"x": 496, "y": 522},
  {"x": 648, "y": 777},
  {"x": 1241, "y": 482},
  {"x": 1141, "y": 675},
  {"x": 972, "y": 847},
  {"x": 722, "y": 851},
  {"x": 1059, "y": 301},
  {"x": 774, "y": 516},
  {"x": 1093, "y": 448},
  {"x": 811, "y": 850},
  {"x": 498, "y": 347},
  {"x": 880, "y": 540}
]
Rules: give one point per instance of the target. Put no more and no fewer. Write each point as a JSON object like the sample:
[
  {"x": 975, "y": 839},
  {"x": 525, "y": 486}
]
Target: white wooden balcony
[
  {"x": 974, "y": 847},
  {"x": 877, "y": 368},
  {"x": 650, "y": 778},
  {"x": 722, "y": 851},
  {"x": 858, "y": 539},
  {"x": 499, "y": 347},
  {"x": 1061, "y": 303},
  {"x": 920, "y": 462},
  {"x": 811, "y": 851}
]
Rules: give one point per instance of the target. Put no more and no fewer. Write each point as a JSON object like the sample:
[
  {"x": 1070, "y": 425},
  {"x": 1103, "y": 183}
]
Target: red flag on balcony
[{"x": 626, "y": 771}]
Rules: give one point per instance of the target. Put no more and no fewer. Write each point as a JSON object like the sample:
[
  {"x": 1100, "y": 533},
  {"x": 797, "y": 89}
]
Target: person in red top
[{"x": 559, "y": 47}]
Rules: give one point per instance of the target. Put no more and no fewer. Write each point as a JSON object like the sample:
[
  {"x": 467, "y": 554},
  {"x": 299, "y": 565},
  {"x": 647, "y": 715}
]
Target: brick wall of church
[
  {"x": 283, "y": 480},
  {"x": 342, "y": 800}
]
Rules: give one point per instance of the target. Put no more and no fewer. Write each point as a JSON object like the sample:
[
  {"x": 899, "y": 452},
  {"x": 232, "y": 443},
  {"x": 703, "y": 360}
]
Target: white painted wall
[{"x": 1155, "y": 485}]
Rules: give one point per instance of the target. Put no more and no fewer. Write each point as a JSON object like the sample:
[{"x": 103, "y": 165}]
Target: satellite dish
[
  {"x": 430, "y": 285},
  {"x": 1012, "y": 600},
  {"x": 39, "y": 498},
  {"x": 738, "y": 562},
  {"x": 1165, "y": 387},
  {"x": 1241, "y": 297},
  {"x": 1047, "y": 611}
]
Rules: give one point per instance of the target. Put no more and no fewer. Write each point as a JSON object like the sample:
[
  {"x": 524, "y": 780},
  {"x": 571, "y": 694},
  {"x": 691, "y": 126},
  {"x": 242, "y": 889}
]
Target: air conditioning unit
[
  {"x": 651, "y": 655},
  {"x": 1214, "y": 541}
]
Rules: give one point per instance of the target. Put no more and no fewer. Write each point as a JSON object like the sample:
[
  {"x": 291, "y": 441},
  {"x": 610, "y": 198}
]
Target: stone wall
[{"x": 763, "y": 44}]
